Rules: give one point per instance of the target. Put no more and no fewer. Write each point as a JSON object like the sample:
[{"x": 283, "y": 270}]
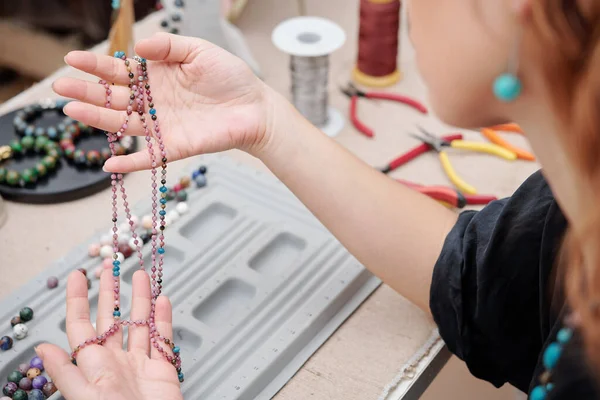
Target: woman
[{"x": 494, "y": 290}]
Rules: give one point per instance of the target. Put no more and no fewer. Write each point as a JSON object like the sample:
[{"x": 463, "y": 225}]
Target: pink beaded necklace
[{"x": 139, "y": 94}]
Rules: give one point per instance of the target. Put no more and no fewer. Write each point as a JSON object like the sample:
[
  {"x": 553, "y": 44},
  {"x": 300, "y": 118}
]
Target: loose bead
[
  {"x": 32, "y": 373},
  {"x": 15, "y": 376},
  {"x": 147, "y": 222},
  {"x": 49, "y": 389},
  {"x": 25, "y": 383},
  {"x": 173, "y": 215},
  {"x": 23, "y": 368},
  {"x": 181, "y": 196},
  {"x": 185, "y": 181},
  {"x": 9, "y": 389},
  {"x": 20, "y": 331},
  {"x": 182, "y": 207},
  {"x": 37, "y": 362},
  {"x": 39, "y": 382},
  {"x": 52, "y": 282},
  {"x": 20, "y": 395},
  {"x": 36, "y": 394},
  {"x": 26, "y": 314},
  {"x": 106, "y": 251},
  {"x": 94, "y": 250},
  {"x": 15, "y": 321},
  {"x": 200, "y": 181}
]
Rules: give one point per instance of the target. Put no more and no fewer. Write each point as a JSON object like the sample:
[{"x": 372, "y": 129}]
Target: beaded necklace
[
  {"x": 140, "y": 93},
  {"x": 549, "y": 360}
]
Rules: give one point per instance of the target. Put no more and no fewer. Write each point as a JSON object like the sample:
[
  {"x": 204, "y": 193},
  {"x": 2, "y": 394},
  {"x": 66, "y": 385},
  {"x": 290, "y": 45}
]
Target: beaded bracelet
[
  {"x": 29, "y": 145},
  {"x": 24, "y": 120}
]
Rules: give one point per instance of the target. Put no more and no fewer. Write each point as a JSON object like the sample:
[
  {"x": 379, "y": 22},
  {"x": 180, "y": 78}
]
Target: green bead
[
  {"x": 40, "y": 143},
  {"x": 49, "y": 162},
  {"x": 13, "y": 178},
  {"x": 20, "y": 395},
  {"x": 15, "y": 377},
  {"x": 16, "y": 146},
  {"x": 2, "y": 175},
  {"x": 26, "y": 314},
  {"x": 53, "y": 153},
  {"x": 69, "y": 152},
  {"x": 41, "y": 169},
  {"x": 28, "y": 142},
  {"x": 170, "y": 195},
  {"x": 29, "y": 175},
  {"x": 181, "y": 195}
]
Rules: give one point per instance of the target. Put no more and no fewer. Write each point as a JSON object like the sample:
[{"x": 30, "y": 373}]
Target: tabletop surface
[{"x": 366, "y": 353}]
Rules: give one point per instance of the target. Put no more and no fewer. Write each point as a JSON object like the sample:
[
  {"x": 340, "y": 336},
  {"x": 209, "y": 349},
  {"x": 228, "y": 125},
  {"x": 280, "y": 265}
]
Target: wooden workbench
[{"x": 365, "y": 354}]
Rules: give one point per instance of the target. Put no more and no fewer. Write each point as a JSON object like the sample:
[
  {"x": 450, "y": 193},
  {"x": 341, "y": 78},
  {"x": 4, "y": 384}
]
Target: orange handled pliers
[
  {"x": 354, "y": 93},
  {"x": 492, "y": 135}
]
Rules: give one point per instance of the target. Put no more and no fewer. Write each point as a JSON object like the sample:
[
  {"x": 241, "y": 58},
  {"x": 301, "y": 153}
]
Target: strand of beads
[{"x": 139, "y": 93}]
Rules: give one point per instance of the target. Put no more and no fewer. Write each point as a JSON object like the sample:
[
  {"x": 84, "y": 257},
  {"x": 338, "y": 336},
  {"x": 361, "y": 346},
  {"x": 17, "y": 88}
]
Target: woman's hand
[
  {"x": 108, "y": 372},
  {"x": 206, "y": 99}
]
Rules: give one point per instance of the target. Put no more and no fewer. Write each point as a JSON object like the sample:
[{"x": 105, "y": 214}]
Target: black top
[{"x": 496, "y": 299}]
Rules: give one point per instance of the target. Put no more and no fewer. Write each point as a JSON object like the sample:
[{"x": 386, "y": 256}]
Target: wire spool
[
  {"x": 377, "y": 64},
  {"x": 309, "y": 41}
]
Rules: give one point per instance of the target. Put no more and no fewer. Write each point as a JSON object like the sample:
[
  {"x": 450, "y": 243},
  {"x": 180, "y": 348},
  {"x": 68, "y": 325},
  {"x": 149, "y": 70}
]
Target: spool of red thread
[{"x": 377, "y": 63}]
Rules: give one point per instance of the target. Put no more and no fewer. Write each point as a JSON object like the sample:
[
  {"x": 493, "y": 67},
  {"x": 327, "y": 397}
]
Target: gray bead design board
[{"x": 256, "y": 282}]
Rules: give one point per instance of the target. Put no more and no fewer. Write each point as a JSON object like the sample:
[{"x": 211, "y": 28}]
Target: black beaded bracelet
[
  {"x": 24, "y": 120},
  {"x": 90, "y": 158},
  {"x": 29, "y": 145}
]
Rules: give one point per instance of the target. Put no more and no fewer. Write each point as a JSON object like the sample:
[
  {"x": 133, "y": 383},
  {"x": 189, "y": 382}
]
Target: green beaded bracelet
[{"x": 20, "y": 148}]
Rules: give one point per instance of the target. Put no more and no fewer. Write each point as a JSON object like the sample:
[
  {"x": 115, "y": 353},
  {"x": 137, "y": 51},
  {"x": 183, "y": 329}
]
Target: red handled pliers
[
  {"x": 354, "y": 93},
  {"x": 449, "y": 195},
  {"x": 414, "y": 153}
]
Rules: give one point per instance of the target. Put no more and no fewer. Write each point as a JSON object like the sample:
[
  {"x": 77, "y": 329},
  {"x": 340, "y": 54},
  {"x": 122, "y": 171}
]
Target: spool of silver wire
[
  {"x": 309, "y": 87},
  {"x": 309, "y": 41}
]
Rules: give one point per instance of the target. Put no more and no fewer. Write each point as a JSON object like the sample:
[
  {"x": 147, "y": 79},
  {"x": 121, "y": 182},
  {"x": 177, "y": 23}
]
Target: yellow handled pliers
[{"x": 439, "y": 144}]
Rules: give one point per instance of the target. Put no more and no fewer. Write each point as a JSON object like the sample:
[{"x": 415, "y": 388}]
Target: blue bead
[
  {"x": 195, "y": 174},
  {"x": 163, "y": 201},
  {"x": 538, "y": 393},
  {"x": 200, "y": 181},
  {"x": 116, "y": 269},
  {"x": 117, "y": 54},
  {"x": 162, "y": 212},
  {"x": 52, "y": 132},
  {"x": 152, "y": 111},
  {"x": 180, "y": 376},
  {"x": 116, "y": 273},
  {"x": 116, "y": 4},
  {"x": 550, "y": 386},
  {"x": 551, "y": 355},
  {"x": 564, "y": 335},
  {"x": 160, "y": 250},
  {"x": 29, "y": 130},
  {"x": 163, "y": 189},
  {"x": 116, "y": 263},
  {"x": 116, "y": 313},
  {"x": 507, "y": 87},
  {"x": 176, "y": 350}
]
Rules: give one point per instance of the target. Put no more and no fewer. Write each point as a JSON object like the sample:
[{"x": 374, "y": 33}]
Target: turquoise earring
[{"x": 508, "y": 87}]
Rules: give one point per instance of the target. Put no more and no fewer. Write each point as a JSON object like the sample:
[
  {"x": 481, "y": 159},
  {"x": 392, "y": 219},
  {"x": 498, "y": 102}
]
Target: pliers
[
  {"x": 492, "y": 135},
  {"x": 449, "y": 196},
  {"x": 354, "y": 93},
  {"x": 439, "y": 144}
]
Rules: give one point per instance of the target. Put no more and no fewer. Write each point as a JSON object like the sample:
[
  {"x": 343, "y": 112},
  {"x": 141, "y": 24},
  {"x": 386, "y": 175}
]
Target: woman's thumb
[{"x": 67, "y": 377}]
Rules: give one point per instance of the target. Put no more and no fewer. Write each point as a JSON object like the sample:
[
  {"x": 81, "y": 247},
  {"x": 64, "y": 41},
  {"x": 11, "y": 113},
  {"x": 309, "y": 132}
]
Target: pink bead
[{"x": 94, "y": 250}]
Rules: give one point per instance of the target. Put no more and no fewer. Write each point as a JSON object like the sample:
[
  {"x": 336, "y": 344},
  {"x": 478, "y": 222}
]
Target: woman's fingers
[
  {"x": 164, "y": 325},
  {"x": 79, "y": 327},
  {"x": 104, "y": 118},
  {"x": 68, "y": 378},
  {"x": 140, "y": 310},
  {"x": 106, "y": 305},
  {"x": 93, "y": 93},
  {"x": 170, "y": 48},
  {"x": 110, "y": 69},
  {"x": 138, "y": 161}
]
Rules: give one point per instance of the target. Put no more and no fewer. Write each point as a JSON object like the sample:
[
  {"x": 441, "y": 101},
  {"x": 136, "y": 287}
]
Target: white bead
[
  {"x": 172, "y": 215},
  {"x": 124, "y": 239},
  {"x": 106, "y": 239},
  {"x": 125, "y": 228},
  {"x": 136, "y": 220},
  {"x": 120, "y": 257},
  {"x": 182, "y": 207},
  {"x": 168, "y": 220},
  {"x": 132, "y": 244},
  {"x": 20, "y": 331},
  {"x": 147, "y": 222},
  {"x": 106, "y": 251}
]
